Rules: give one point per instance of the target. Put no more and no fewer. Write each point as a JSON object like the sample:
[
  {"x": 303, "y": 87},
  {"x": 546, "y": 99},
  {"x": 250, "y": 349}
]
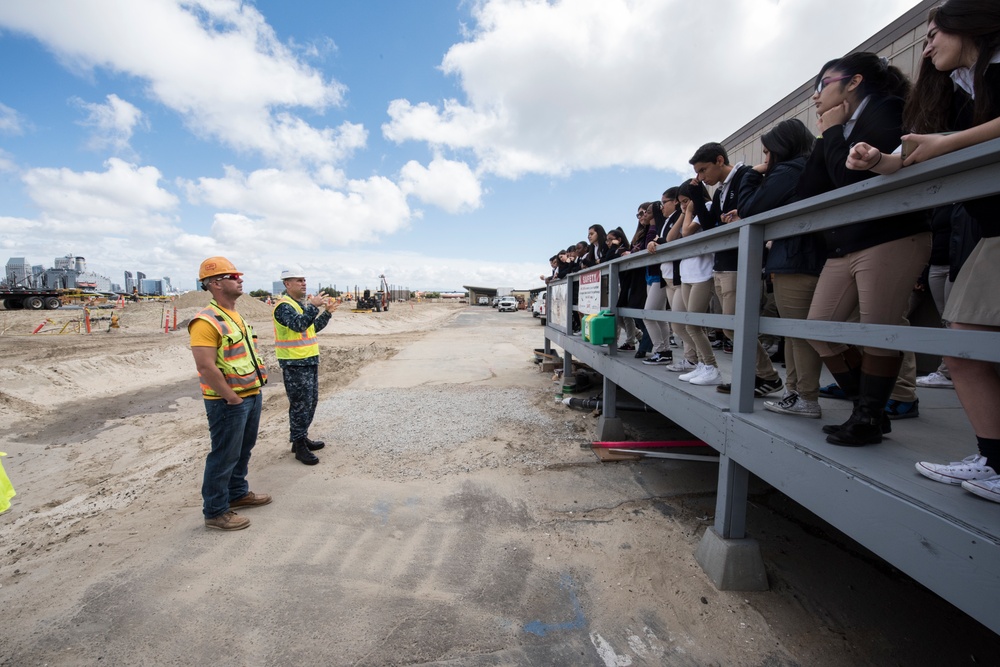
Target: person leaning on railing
[
  {"x": 958, "y": 91},
  {"x": 794, "y": 263},
  {"x": 870, "y": 265}
]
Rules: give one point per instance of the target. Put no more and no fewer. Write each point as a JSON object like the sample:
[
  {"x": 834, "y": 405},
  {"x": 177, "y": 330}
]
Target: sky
[{"x": 440, "y": 143}]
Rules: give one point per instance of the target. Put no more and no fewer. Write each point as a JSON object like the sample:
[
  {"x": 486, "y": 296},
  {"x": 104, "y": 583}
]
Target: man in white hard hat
[
  {"x": 297, "y": 318},
  {"x": 231, "y": 374}
]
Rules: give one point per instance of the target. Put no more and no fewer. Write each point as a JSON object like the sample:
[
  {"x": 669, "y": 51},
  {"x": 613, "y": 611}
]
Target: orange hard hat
[{"x": 216, "y": 266}]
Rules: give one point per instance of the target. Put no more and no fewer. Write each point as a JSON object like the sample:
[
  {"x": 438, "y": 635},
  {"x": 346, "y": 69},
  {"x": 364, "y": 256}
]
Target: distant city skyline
[{"x": 73, "y": 268}]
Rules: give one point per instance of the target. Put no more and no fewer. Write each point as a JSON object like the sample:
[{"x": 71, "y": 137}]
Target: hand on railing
[{"x": 865, "y": 157}]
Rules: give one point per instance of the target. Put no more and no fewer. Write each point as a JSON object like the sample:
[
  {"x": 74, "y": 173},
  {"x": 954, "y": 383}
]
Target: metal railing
[{"x": 966, "y": 174}]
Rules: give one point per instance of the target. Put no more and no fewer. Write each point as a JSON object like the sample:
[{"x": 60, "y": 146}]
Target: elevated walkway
[{"x": 940, "y": 535}]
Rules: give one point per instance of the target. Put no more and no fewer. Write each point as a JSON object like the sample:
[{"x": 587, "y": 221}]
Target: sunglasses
[
  {"x": 823, "y": 83},
  {"x": 228, "y": 276}
]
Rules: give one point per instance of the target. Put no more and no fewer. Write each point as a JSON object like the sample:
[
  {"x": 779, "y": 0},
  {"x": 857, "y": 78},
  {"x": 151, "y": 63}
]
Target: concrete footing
[
  {"x": 732, "y": 565},
  {"x": 610, "y": 429}
]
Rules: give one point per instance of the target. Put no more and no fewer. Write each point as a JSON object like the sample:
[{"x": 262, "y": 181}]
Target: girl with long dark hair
[
  {"x": 958, "y": 91},
  {"x": 871, "y": 266},
  {"x": 793, "y": 263}
]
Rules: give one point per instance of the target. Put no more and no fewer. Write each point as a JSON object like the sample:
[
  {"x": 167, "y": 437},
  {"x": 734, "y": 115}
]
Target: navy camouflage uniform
[{"x": 301, "y": 376}]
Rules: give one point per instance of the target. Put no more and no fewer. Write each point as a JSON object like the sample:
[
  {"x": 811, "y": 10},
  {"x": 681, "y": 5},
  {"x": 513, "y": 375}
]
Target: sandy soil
[{"x": 508, "y": 545}]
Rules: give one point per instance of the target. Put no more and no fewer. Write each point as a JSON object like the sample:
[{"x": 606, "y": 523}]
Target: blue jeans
[{"x": 233, "y": 429}]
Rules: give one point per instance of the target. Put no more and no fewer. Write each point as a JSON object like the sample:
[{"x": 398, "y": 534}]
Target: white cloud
[
  {"x": 10, "y": 121},
  {"x": 297, "y": 210},
  {"x": 6, "y": 162},
  {"x": 447, "y": 184},
  {"x": 557, "y": 86},
  {"x": 216, "y": 62},
  {"x": 125, "y": 199},
  {"x": 112, "y": 123}
]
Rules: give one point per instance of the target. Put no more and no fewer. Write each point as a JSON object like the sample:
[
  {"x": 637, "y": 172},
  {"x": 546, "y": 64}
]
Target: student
[
  {"x": 711, "y": 167},
  {"x": 597, "y": 251},
  {"x": 958, "y": 90},
  {"x": 794, "y": 263},
  {"x": 671, "y": 272},
  {"x": 656, "y": 294},
  {"x": 633, "y": 282},
  {"x": 871, "y": 265},
  {"x": 696, "y": 289}
]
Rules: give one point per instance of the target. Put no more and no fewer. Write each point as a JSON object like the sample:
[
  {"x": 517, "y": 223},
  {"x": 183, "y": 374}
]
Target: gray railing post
[
  {"x": 747, "y": 324},
  {"x": 613, "y": 303},
  {"x": 567, "y": 357}
]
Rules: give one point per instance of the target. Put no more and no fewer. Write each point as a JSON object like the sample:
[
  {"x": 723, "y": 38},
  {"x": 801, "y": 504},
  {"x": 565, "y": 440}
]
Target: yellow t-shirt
[{"x": 204, "y": 334}]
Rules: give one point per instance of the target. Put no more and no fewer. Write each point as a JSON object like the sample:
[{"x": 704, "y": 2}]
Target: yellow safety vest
[
  {"x": 290, "y": 344},
  {"x": 237, "y": 357},
  {"x": 6, "y": 489}
]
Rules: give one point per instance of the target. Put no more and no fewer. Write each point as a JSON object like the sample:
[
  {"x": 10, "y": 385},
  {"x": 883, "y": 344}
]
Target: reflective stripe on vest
[
  {"x": 290, "y": 344},
  {"x": 236, "y": 355}
]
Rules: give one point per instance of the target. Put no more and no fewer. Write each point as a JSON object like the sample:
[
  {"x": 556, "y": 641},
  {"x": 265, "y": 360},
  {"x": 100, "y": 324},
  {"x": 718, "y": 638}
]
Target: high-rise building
[
  {"x": 139, "y": 277},
  {"x": 167, "y": 288},
  {"x": 151, "y": 286},
  {"x": 129, "y": 283},
  {"x": 277, "y": 287}
]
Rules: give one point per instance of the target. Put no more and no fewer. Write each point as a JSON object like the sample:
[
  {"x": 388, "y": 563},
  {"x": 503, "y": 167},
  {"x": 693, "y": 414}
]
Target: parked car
[
  {"x": 538, "y": 308},
  {"x": 484, "y": 301},
  {"x": 507, "y": 303}
]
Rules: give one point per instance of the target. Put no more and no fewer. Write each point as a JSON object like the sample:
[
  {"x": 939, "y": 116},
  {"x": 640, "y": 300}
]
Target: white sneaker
[
  {"x": 988, "y": 488},
  {"x": 709, "y": 376},
  {"x": 699, "y": 368},
  {"x": 795, "y": 405},
  {"x": 968, "y": 469},
  {"x": 935, "y": 379},
  {"x": 682, "y": 366}
]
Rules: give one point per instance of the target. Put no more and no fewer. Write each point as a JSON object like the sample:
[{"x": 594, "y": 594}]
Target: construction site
[{"x": 458, "y": 515}]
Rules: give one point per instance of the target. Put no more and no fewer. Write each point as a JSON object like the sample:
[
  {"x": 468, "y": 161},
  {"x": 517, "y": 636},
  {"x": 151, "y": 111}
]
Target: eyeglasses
[
  {"x": 823, "y": 83},
  {"x": 228, "y": 276}
]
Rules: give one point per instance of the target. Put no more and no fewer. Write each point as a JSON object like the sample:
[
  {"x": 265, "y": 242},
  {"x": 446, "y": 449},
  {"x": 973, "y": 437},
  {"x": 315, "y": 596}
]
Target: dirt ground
[{"x": 454, "y": 518}]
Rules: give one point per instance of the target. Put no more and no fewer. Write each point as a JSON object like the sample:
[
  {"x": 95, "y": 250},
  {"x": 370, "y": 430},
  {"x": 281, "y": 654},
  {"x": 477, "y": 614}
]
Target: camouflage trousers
[{"x": 302, "y": 389}]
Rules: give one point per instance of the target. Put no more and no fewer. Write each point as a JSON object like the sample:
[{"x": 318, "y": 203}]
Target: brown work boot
[
  {"x": 251, "y": 499},
  {"x": 228, "y": 521}
]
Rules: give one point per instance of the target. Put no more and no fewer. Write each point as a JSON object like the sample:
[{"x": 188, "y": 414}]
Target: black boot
[
  {"x": 850, "y": 382},
  {"x": 312, "y": 444},
  {"x": 303, "y": 454},
  {"x": 868, "y": 421}
]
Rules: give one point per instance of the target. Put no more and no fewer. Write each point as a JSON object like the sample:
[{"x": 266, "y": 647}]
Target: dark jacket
[
  {"x": 804, "y": 254},
  {"x": 880, "y": 124},
  {"x": 984, "y": 209},
  {"x": 675, "y": 273},
  {"x": 725, "y": 260},
  {"x": 965, "y": 234}
]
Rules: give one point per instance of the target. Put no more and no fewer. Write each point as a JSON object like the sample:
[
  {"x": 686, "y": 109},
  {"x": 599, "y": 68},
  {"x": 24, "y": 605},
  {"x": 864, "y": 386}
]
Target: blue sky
[{"x": 442, "y": 143}]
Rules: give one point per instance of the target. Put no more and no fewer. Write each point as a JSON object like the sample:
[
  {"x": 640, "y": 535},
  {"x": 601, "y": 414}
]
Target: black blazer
[
  {"x": 880, "y": 124},
  {"x": 725, "y": 260}
]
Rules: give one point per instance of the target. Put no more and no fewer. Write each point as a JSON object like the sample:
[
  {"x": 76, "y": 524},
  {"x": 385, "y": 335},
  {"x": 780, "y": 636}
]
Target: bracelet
[{"x": 876, "y": 161}]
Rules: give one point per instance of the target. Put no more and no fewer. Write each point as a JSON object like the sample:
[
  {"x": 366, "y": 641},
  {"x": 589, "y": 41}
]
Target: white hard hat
[{"x": 289, "y": 273}]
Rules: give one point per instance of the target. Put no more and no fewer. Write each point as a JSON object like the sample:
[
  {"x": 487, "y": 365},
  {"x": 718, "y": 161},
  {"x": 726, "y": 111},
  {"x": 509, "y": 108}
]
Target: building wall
[{"x": 901, "y": 42}]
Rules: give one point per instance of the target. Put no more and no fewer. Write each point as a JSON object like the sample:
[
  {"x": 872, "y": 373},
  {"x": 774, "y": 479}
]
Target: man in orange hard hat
[{"x": 231, "y": 374}]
